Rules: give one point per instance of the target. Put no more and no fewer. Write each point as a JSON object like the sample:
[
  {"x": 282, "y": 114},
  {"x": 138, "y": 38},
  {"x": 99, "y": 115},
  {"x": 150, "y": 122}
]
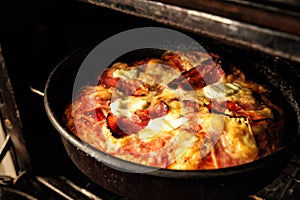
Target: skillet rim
[{"x": 161, "y": 172}]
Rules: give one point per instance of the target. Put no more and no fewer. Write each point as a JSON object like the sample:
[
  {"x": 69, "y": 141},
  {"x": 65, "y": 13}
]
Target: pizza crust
[{"x": 136, "y": 114}]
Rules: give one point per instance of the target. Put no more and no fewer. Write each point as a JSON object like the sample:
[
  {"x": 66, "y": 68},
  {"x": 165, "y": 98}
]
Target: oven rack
[{"x": 57, "y": 186}]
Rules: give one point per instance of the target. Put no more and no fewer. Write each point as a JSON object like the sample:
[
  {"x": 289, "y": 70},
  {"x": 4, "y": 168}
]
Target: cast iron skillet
[{"x": 140, "y": 182}]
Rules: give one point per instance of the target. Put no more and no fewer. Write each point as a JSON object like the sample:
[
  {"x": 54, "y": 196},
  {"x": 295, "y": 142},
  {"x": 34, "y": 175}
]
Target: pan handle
[{"x": 36, "y": 91}]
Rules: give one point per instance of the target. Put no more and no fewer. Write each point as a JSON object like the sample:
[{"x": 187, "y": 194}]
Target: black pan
[{"x": 140, "y": 182}]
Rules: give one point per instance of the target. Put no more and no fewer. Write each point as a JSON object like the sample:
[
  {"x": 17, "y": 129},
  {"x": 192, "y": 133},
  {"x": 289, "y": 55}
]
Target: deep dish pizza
[{"x": 177, "y": 111}]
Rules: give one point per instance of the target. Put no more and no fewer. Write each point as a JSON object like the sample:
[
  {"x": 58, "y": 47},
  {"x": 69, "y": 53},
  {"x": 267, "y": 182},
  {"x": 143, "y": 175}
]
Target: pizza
[{"x": 179, "y": 110}]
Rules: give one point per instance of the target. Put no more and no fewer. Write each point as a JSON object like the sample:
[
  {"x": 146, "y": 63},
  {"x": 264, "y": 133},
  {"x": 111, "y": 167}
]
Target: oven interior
[{"x": 34, "y": 38}]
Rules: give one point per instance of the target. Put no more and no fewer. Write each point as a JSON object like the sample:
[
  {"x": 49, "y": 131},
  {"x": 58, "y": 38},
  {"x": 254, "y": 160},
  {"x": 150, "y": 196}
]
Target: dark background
[{"x": 35, "y": 36}]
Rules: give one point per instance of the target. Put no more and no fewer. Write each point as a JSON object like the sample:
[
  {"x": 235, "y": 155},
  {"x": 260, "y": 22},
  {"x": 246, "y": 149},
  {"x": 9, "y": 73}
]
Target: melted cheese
[
  {"x": 243, "y": 95},
  {"x": 188, "y": 136},
  {"x": 127, "y": 107},
  {"x": 150, "y": 73},
  {"x": 167, "y": 123},
  {"x": 238, "y": 139},
  {"x": 126, "y": 74}
]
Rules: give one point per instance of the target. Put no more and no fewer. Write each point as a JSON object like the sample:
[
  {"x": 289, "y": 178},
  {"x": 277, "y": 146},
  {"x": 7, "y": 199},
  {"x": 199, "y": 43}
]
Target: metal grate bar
[
  {"x": 5, "y": 147},
  {"x": 285, "y": 187}
]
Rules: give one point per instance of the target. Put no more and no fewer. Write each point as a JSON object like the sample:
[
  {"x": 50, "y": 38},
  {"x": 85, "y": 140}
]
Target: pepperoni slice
[
  {"x": 128, "y": 87},
  {"x": 232, "y": 106},
  {"x": 123, "y": 126},
  {"x": 132, "y": 88},
  {"x": 99, "y": 114},
  {"x": 107, "y": 79},
  {"x": 158, "y": 110},
  {"x": 198, "y": 77},
  {"x": 174, "y": 61}
]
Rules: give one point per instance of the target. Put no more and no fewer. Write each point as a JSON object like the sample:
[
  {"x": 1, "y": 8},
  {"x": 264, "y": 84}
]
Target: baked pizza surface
[{"x": 177, "y": 111}]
